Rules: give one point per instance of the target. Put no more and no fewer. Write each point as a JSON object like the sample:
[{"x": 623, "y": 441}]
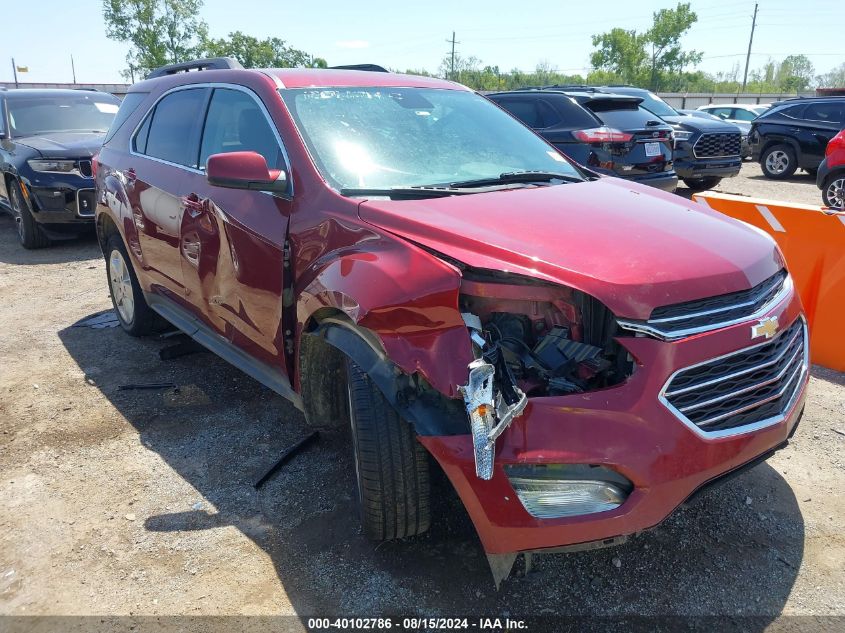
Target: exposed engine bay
[{"x": 532, "y": 339}]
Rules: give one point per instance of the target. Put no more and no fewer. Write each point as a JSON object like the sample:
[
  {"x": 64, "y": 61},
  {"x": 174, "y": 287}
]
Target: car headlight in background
[
  {"x": 52, "y": 166},
  {"x": 553, "y": 491}
]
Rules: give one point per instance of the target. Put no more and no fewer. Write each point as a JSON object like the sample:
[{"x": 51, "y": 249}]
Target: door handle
[{"x": 193, "y": 204}]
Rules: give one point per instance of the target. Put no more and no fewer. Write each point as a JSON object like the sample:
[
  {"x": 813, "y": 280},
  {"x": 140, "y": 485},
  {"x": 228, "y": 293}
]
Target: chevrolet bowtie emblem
[{"x": 767, "y": 327}]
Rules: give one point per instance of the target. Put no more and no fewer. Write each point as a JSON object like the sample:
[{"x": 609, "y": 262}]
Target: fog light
[{"x": 564, "y": 490}]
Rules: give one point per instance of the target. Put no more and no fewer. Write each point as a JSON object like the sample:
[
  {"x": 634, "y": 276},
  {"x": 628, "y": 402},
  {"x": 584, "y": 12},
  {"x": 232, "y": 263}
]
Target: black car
[
  {"x": 47, "y": 141},
  {"x": 705, "y": 151},
  {"x": 794, "y": 133},
  {"x": 610, "y": 134}
]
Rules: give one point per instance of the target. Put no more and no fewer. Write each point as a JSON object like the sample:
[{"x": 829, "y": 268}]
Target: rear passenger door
[
  {"x": 821, "y": 121},
  {"x": 232, "y": 241},
  {"x": 163, "y": 153}
]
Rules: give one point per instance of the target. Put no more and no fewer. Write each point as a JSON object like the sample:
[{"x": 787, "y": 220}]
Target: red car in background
[
  {"x": 399, "y": 256},
  {"x": 831, "y": 175}
]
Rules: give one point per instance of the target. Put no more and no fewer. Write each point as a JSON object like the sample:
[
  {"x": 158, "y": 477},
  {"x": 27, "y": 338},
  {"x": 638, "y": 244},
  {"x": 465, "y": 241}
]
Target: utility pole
[
  {"x": 73, "y": 69},
  {"x": 452, "y": 64},
  {"x": 748, "y": 56},
  {"x": 15, "y": 71}
]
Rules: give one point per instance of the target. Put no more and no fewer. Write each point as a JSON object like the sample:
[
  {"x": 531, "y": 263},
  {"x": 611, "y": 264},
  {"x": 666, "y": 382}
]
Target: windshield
[
  {"x": 405, "y": 137},
  {"x": 656, "y": 105},
  {"x": 71, "y": 113}
]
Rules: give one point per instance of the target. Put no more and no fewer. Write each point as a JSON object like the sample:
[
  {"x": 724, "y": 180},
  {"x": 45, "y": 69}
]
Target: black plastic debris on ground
[{"x": 99, "y": 320}]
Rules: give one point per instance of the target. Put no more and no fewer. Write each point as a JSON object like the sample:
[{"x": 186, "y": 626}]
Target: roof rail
[
  {"x": 213, "y": 63},
  {"x": 373, "y": 68},
  {"x": 570, "y": 87}
]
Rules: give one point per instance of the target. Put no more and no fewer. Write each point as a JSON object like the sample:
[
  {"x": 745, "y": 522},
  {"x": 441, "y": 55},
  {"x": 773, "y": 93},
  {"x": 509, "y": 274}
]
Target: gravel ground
[{"x": 140, "y": 503}]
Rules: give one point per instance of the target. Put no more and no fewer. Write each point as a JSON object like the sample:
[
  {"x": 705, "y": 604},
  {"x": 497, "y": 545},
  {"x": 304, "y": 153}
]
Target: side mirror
[{"x": 244, "y": 170}]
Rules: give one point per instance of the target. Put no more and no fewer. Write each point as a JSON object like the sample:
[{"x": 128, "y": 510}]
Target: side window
[
  {"x": 171, "y": 132},
  {"x": 523, "y": 109},
  {"x": 139, "y": 143},
  {"x": 743, "y": 115},
  {"x": 236, "y": 123},
  {"x": 824, "y": 113},
  {"x": 722, "y": 113},
  {"x": 792, "y": 113}
]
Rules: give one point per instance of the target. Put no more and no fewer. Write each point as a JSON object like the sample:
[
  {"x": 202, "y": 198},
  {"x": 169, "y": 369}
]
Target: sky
[{"x": 43, "y": 34}]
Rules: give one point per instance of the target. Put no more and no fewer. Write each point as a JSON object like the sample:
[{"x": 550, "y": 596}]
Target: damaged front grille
[
  {"x": 749, "y": 388},
  {"x": 692, "y": 317}
]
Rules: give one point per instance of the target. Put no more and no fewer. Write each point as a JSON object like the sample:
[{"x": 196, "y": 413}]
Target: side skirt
[{"x": 205, "y": 336}]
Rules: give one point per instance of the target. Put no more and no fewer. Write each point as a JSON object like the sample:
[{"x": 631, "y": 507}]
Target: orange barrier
[{"x": 813, "y": 243}]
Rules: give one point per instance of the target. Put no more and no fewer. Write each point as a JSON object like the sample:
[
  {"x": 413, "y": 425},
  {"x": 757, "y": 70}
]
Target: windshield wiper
[
  {"x": 517, "y": 176},
  {"x": 431, "y": 191}
]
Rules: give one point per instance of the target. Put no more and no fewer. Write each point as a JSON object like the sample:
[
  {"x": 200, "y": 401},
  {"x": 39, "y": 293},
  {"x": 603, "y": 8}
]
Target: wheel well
[
  {"x": 839, "y": 172},
  {"x": 105, "y": 229},
  {"x": 781, "y": 141}
]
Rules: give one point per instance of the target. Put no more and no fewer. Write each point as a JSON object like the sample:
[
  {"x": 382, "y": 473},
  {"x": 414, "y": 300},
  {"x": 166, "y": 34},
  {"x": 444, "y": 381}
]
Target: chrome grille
[
  {"x": 717, "y": 145},
  {"x": 754, "y": 386},
  {"x": 683, "y": 319}
]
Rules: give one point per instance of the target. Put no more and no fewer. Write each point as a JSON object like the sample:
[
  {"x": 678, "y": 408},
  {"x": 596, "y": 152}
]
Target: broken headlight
[{"x": 532, "y": 339}]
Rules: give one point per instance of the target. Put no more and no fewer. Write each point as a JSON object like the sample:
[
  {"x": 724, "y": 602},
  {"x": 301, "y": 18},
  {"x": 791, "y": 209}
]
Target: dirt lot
[{"x": 140, "y": 502}]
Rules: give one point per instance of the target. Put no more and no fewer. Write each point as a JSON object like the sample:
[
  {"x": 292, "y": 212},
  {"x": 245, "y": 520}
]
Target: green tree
[
  {"x": 834, "y": 79},
  {"x": 621, "y": 54},
  {"x": 158, "y": 31},
  {"x": 649, "y": 58},
  {"x": 251, "y": 52},
  {"x": 795, "y": 73},
  {"x": 664, "y": 39}
]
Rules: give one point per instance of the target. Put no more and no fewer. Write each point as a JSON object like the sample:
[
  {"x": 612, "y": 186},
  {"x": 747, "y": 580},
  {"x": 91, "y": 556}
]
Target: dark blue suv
[
  {"x": 705, "y": 151},
  {"x": 47, "y": 141},
  {"x": 610, "y": 134}
]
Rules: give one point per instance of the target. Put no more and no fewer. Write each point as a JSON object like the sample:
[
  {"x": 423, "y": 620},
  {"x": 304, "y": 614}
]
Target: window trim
[{"x": 204, "y": 113}]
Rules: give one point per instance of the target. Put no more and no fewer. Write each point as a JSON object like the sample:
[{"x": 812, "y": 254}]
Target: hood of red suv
[{"x": 628, "y": 245}]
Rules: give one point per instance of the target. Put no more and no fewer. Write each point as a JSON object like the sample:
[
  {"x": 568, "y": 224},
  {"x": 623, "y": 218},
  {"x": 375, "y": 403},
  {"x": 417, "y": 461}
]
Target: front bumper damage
[{"x": 624, "y": 430}]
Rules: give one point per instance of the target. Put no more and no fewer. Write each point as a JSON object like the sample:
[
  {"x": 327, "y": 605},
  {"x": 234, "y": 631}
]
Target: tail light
[
  {"x": 94, "y": 164},
  {"x": 602, "y": 134}
]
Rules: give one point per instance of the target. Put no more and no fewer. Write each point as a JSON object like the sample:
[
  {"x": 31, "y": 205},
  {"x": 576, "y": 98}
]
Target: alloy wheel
[
  {"x": 777, "y": 162},
  {"x": 17, "y": 211},
  {"x": 835, "y": 193},
  {"x": 121, "y": 287}
]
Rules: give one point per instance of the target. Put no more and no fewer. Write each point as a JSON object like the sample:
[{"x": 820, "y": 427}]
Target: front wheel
[
  {"x": 135, "y": 316},
  {"x": 778, "y": 162},
  {"x": 702, "y": 184},
  {"x": 391, "y": 466},
  {"x": 833, "y": 191},
  {"x": 29, "y": 233}
]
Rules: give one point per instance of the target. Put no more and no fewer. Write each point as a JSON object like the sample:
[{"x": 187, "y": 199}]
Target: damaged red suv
[{"x": 580, "y": 354}]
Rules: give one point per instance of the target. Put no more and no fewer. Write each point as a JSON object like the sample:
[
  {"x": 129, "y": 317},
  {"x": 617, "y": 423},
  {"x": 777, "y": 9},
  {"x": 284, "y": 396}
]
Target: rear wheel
[
  {"x": 778, "y": 162},
  {"x": 29, "y": 233},
  {"x": 701, "y": 184},
  {"x": 391, "y": 466},
  {"x": 135, "y": 316},
  {"x": 833, "y": 191}
]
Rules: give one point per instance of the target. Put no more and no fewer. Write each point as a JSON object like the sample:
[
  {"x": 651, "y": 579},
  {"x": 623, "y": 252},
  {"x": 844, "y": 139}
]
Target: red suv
[
  {"x": 831, "y": 175},
  {"x": 580, "y": 354}
]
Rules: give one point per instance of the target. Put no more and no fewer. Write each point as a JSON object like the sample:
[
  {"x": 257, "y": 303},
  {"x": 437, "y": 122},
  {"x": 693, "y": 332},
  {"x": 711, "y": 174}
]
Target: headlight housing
[
  {"x": 52, "y": 165},
  {"x": 681, "y": 136}
]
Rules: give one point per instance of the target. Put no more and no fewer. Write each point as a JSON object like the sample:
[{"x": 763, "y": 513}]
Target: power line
[{"x": 452, "y": 63}]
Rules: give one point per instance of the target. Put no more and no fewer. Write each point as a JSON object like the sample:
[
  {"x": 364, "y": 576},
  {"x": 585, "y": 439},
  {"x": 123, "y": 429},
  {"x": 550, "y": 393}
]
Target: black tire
[
  {"x": 778, "y": 162},
  {"x": 833, "y": 191},
  {"x": 391, "y": 466},
  {"x": 701, "y": 184},
  {"x": 141, "y": 319},
  {"x": 29, "y": 233},
  {"x": 322, "y": 375}
]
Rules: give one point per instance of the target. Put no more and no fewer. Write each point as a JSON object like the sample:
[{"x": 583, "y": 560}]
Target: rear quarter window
[{"x": 129, "y": 104}]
